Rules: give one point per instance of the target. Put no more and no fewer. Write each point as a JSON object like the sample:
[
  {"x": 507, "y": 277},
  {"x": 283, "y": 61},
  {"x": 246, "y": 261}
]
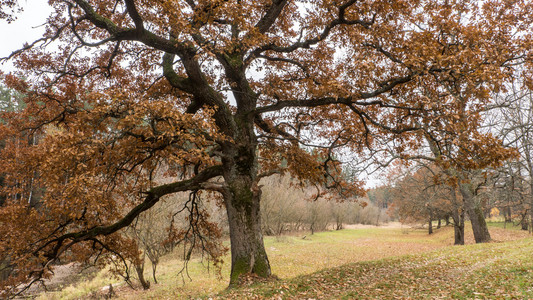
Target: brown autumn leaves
[{"x": 246, "y": 89}]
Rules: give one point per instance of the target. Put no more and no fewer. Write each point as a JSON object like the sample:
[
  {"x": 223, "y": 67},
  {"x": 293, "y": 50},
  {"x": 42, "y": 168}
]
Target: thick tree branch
[
  {"x": 271, "y": 129},
  {"x": 151, "y": 198},
  {"x": 271, "y": 15},
  {"x": 134, "y": 14},
  {"x": 179, "y": 82},
  {"x": 134, "y": 34},
  {"x": 196, "y": 84},
  {"x": 385, "y": 87},
  {"x": 199, "y": 87}
]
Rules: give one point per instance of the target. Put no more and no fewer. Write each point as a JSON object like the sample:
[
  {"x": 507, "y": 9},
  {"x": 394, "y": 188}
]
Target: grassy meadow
[{"x": 362, "y": 263}]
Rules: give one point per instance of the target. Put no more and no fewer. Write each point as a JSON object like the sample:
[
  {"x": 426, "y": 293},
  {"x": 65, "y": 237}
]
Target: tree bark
[
  {"x": 531, "y": 203},
  {"x": 248, "y": 253},
  {"x": 475, "y": 212},
  {"x": 139, "y": 267},
  {"x": 458, "y": 216},
  {"x": 459, "y": 227},
  {"x": 527, "y": 152},
  {"x": 524, "y": 222},
  {"x": 508, "y": 214},
  {"x": 242, "y": 199}
]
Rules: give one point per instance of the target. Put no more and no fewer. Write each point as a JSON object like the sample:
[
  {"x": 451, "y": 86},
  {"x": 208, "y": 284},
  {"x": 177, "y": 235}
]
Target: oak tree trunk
[
  {"x": 242, "y": 201},
  {"x": 475, "y": 212},
  {"x": 248, "y": 253}
]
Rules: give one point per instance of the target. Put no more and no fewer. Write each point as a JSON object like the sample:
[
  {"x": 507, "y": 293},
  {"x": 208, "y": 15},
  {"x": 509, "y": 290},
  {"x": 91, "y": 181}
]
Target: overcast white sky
[{"x": 25, "y": 29}]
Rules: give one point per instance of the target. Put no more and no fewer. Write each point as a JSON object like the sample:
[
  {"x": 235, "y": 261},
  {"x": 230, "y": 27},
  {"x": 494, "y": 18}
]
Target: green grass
[
  {"x": 488, "y": 271},
  {"x": 503, "y": 225},
  {"x": 364, "y": 263},
  {"x": 294, "y": 255}
]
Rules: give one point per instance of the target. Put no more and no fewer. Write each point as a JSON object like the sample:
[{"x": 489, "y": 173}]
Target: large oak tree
[{"x": 216, "y": 94}]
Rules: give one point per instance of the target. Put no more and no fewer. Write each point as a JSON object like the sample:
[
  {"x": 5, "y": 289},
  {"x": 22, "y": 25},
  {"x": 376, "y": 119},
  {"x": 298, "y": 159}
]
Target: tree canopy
[{"x": 129, "y": 101}]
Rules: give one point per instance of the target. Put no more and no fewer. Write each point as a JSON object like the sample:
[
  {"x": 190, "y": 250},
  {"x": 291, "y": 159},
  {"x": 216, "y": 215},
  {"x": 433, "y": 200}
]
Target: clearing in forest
[{"x": 395, "y": 261}]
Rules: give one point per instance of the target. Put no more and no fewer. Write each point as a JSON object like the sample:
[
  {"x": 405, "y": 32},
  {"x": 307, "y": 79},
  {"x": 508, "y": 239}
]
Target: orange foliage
[{"x": 214, "y": 95}]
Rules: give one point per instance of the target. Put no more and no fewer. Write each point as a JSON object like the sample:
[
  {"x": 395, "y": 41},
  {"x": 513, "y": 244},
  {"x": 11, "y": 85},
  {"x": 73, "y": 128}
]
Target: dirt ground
[
  {"x": 384, "y": 225},
  {"x": 64, "y": 275}
]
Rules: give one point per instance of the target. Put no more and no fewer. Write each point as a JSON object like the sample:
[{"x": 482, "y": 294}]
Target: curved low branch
[
  {"x": 152, "y": 197},
  {"x": 53, "y": 248}
]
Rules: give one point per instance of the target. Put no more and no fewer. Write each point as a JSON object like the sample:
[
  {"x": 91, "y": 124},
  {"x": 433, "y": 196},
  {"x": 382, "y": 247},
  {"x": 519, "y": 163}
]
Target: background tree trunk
[
  {"x": 459, "y": 227},
  {"x": 524, "y": 222},
  {"x": 475, "y": 212},
  {"x": 531, "y": 204},
  {"x": 139, "y": 267},
  {"x": 458, "y": 216}
]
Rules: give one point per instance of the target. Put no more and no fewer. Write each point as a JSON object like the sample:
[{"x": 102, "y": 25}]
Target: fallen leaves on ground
[{"x": 500, "y": 270}]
